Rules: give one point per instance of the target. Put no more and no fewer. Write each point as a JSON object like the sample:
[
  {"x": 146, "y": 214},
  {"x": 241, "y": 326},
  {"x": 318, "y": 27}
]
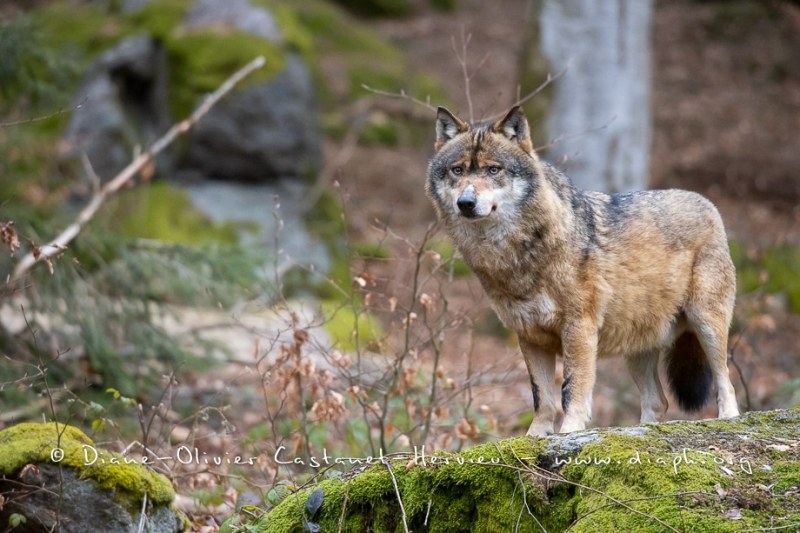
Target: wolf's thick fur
[{"x": 586, "y": 274}]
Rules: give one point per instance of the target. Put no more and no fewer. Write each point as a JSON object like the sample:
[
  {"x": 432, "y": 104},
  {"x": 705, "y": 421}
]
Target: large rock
[
  {"x": 58, "y": 479},
  {"x": 123, "y": 105},
  {"x": 711, "y": 475},
  {"x": 263, "y": 130}
]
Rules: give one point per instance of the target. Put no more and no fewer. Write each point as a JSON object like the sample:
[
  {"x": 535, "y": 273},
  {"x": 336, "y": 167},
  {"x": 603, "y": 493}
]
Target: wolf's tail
[{"x": 688, "y": 372}]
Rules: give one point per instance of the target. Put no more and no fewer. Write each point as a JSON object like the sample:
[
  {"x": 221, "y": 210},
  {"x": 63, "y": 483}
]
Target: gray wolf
[{"x": 581, "y": 274}]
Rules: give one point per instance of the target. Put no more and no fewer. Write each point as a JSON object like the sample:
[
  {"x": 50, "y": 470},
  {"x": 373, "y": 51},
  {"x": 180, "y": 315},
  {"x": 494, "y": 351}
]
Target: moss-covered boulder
[
  {"x": 161, "y": 58},
  {"x": 716, "y": 475},
  {"x": 57, "y": 478}
]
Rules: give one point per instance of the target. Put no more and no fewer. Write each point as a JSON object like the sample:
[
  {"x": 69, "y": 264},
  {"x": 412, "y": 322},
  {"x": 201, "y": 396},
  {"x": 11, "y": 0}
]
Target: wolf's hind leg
[
  {"x": 644, "y": 371},
  {"x": 541, "y": 369},
  {"x": 709, "y": 311}
]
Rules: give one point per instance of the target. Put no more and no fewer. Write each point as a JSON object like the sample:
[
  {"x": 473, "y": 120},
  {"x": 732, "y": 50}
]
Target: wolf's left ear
[
  {"x": 447, "y": 126},
  {"x": 515, "y": 127}
]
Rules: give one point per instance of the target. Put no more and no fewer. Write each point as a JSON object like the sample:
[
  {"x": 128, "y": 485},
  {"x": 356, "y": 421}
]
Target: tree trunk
[{"x": 601, "y": 111}]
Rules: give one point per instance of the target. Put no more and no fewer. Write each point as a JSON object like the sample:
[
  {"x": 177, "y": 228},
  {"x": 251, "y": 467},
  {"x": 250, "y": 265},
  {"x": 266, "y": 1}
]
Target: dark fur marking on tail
[{"x": 689, "y": 373}]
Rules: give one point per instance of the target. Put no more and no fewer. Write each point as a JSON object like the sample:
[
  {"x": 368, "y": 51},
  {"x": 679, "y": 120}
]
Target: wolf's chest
[{"x": 520, "y": 315}]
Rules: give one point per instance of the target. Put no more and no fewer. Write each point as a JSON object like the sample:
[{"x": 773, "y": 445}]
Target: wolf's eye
[
  {"x": 457, "y": 170},
  {"x": 494, "y": 169}
]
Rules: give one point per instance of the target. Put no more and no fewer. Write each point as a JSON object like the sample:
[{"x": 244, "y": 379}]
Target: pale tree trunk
[{"x": 601, "y": 110}]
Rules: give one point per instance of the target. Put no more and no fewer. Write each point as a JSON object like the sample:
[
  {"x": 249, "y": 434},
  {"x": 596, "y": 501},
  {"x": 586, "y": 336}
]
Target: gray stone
[
  {"x": 124, "y": 104},
  {"x": 263, "y": 132},
  {"x": 59, "y": 500},
  {"x": 238, "y": 14}
]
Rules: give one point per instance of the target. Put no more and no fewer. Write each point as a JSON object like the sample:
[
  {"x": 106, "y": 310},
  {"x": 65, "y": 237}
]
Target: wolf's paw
[
  {"x": 540, "y": 430},
  {"x": 572, "y": 424}
]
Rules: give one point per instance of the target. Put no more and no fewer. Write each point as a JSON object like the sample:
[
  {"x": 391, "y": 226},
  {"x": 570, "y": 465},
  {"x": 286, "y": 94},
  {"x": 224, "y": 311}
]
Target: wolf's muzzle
[{"x": 467, "y": 202}]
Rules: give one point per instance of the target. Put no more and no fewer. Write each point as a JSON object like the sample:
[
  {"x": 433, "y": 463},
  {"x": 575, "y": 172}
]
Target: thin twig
[
  {"x": 344, "y": 507},
  {"x": 462, "y": 60},
  {"x": 402, "y": 94},
  {"x": 566, "y": 137},
  {"x": 399, "y": 498},
  {"x": 142, "y": 515},
  {"x": 58, "y": 244},
  {"x": 45, "y": 117}
]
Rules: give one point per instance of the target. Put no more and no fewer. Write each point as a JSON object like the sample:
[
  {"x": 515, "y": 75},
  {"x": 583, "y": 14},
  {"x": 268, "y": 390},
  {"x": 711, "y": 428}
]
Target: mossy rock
[
  {"x": 720, "y": 475},
  {"x": 55, "y": 478},
  {"x": 34, "y": 443}
]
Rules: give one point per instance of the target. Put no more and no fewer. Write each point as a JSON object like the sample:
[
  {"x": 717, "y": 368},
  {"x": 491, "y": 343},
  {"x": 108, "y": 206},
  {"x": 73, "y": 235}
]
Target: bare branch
[
  {"x": 45, "y": 117},
  {"x": 566, "y": 137},
  {"x": 58, "y": 244},
  {"x": 528, "y": 96},
  {"x": 402, "y": 94}
]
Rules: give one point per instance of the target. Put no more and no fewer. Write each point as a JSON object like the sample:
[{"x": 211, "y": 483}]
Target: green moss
[
  {"x": 439, "y": 495},
  {"x": 637, "y": 468},
  {"x": 33, "y": 443},
  {"x": 163, "y": 212},
  {"x": 293, "y": 31},
  {"x": 637, "y": 480},
  {"x": 200, "y": 61},
  {"x": 160, "y": 19},
  {"x": 347, "y": 328}
]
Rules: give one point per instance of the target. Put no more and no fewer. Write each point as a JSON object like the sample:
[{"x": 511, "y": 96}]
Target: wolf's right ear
[{"x": 447, "y": 126}]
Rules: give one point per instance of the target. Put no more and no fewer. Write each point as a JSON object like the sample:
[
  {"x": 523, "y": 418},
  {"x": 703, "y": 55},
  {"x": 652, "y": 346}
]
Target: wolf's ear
[
  {"x": 515, "y": 127},
  {"x": 447, "y": 126}
]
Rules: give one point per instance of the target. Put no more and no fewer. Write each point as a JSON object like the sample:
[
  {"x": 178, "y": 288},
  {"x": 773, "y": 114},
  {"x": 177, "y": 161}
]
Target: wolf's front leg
[
  {"x": 579, "y": 344},
  {"x": 541, "y": 369}
]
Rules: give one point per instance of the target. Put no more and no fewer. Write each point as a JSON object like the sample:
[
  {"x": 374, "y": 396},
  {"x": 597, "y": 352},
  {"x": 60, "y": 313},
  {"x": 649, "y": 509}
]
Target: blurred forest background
[{"x": 276, "y": 276}]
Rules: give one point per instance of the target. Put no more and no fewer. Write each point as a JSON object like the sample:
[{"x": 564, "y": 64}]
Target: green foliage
[
  {"x": 30, "y": 67},
  {"x": 348, "y": 327},
  {"x": 78, "y": 33},
  {"x": 773, "y": 270},
  {"x": 379, "y": 132},
  {"x": 16, "y": 520},
  {"x": 370, "y": 250}
]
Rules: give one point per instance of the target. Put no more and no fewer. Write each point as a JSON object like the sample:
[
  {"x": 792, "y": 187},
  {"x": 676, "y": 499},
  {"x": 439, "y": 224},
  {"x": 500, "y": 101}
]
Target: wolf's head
[{"x": 481, "y": 172}]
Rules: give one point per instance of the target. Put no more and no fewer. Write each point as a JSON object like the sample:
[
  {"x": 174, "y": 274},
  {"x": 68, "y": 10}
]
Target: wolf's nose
[{"x": 466, "y": 203}]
